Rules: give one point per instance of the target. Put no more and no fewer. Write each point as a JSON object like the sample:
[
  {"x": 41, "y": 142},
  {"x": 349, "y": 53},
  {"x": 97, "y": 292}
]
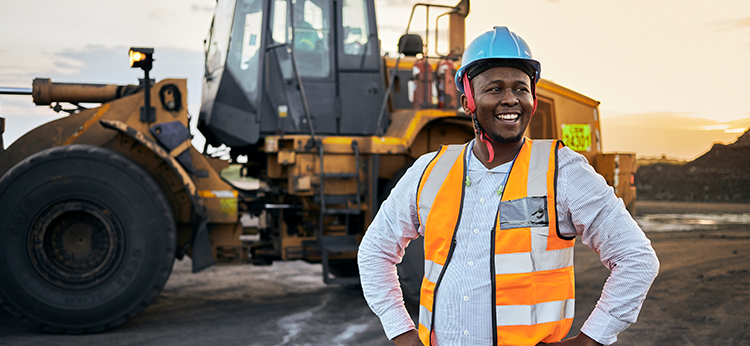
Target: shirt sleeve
[
  {"x": 589, "y": 208},
  {"x": 382, "y": 247}
]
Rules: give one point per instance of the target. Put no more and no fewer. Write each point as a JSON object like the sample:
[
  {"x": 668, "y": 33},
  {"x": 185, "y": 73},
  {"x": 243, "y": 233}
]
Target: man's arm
[
  {"x": 588, "y": 207},
  {"x": 382, "y": 247}
]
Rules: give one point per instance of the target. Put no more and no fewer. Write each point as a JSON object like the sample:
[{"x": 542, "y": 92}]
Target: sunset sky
[{"x": 671, "y": 75}]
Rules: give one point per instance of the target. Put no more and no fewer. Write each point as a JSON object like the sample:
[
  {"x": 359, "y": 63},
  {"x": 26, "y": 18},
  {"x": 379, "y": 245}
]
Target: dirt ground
[
  {"x": 702, "y": 294},
  {"x": 701, "y": 297}
]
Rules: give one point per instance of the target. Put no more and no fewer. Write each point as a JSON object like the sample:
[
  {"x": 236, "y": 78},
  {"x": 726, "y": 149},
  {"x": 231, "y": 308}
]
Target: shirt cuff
[
  {"x": 396, "y": 322},
  {"x": 602, "y": 327}
]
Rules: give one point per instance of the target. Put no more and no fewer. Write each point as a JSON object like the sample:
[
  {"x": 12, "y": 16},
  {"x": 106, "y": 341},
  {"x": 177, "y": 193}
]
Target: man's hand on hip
[
  {"x": 410, "y": 338},
  {"x": 578, "y": 340}
]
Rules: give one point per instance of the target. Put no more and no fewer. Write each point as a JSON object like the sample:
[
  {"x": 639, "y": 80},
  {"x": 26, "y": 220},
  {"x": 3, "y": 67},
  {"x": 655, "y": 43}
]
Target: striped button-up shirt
[{"x": 587, "y": 207}]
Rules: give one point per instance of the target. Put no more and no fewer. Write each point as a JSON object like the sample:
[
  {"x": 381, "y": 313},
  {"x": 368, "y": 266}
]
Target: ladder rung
[
  {"x": 340, "y": 248},
  {"x": 336, "y": 199},
  {"x": 328, "y": 241},
  {"x": 342, "y": 211},
  {"x": 347, "y": 280}
]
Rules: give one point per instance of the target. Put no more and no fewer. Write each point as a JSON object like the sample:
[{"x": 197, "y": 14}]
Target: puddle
[{"x": 687, "y": 222}]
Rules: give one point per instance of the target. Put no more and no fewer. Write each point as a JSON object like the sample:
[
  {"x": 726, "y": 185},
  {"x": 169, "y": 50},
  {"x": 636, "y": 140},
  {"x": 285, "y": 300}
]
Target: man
[
  {"x": 499, "y": 216},
  {"x": 306, "y": 38}
]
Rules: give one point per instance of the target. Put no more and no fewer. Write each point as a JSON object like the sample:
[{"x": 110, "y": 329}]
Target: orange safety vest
[{"x": 533, "y": 276}]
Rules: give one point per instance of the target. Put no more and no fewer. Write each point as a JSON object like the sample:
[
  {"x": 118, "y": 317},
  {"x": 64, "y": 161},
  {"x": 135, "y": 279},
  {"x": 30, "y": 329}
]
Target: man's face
[{"x": 503, "y": 103}]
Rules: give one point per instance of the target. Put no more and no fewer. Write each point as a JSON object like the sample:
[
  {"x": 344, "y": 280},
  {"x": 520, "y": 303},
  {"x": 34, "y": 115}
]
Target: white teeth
[{"x": 507, "y": 116}]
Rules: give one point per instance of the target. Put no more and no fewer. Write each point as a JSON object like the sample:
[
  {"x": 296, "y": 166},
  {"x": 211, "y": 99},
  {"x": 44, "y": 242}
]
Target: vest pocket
[{"x": 524, "y": 212}]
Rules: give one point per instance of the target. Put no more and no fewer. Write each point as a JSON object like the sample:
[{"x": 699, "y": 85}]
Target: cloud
[
  {"x": 674, "y": 134},
  {"x": 202, "y": 8},
  {"x": 731, "y": 24},
  {"x": 392, "y": 28},
  {"x": 94, "y": 64},
  {"x": 161, "y": 14},
  {"x": 99, "y": 64},
  {"x": 742, "y": 23}
]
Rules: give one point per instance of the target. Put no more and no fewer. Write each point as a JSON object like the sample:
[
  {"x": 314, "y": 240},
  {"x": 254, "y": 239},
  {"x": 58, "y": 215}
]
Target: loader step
[
  {"x": 337, "y": 244},
  {"x": 336, "y": 199},
  {"x": 346, "y": 280}
]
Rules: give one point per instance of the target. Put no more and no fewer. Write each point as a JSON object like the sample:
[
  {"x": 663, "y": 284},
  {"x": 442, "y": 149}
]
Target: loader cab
[{"x": 258, "y": 51}]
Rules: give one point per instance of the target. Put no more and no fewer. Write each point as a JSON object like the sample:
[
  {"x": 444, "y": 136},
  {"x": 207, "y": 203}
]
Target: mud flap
[{"x": 202, "y": 256}]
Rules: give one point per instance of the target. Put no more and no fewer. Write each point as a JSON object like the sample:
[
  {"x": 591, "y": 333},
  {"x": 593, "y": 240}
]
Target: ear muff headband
[{"x": 471, "y": 107}]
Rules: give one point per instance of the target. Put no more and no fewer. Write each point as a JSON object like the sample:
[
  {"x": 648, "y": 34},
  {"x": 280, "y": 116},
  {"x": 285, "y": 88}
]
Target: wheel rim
[{"x": 76, "y": 244}]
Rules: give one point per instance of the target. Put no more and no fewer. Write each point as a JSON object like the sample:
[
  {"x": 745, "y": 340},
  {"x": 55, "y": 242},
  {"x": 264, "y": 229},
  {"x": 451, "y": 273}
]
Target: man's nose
[{"x": 508, "y": 98}]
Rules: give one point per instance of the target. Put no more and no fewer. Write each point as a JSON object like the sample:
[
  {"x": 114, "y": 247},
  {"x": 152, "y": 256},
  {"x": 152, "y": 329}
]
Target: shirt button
[
  {"x": 466, "y": 298},
  {"x": 481, "y": 200},
  {"x": 466, "y": 332},
  {"x": 471, "y": 264},
  {"x": 476, "y": 231}
]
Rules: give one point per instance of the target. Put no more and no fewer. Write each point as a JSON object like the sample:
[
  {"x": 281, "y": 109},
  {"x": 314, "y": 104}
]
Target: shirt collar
[{"x": 476, "y": 165}]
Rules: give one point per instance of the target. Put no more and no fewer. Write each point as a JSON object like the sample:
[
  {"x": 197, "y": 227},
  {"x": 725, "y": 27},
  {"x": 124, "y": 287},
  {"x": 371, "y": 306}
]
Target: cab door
[
  {"x": 232, "y": 89},
  {"x": 306, "y": 27},
  {"x": 361, "y": 84}
]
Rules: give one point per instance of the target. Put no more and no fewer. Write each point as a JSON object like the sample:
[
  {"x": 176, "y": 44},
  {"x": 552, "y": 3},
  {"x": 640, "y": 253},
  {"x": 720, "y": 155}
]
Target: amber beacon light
[{"x": 143, "y": 58}]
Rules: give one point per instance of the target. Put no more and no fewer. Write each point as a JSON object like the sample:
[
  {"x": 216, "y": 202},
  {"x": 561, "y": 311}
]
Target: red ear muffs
[
  {"x": 471, "y": 107},
  {"x": 533, "y": 94},
  {"x": 469, "y": 95}
]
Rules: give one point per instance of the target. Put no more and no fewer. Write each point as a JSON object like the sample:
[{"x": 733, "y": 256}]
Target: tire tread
[{"x": 126, "y": 164}]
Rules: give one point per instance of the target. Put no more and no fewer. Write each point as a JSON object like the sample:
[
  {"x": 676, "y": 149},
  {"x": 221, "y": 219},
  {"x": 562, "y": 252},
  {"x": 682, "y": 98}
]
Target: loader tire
[{"x": 87, "y": 239}]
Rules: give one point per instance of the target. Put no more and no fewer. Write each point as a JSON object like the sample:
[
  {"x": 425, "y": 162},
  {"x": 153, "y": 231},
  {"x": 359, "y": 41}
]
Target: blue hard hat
[{"x": 498, "y": 43}]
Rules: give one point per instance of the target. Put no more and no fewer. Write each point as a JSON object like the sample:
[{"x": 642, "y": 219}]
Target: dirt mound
[
  {"x": 720, "y": 175},
  {"x": 743, "y": 140}
]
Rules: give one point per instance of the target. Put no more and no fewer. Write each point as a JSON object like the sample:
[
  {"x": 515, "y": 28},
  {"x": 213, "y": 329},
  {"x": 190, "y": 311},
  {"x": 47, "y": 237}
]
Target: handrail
[
  {"x": 299, "y": 82},
  {"x": 388, "y": 91}
]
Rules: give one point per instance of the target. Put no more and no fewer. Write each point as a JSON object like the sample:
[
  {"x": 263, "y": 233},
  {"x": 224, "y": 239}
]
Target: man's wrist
[
  {"x": 586, "y": 340},
  {"x": 578, "y": 340},
  {"x": 603, "y": 327},
  {"x": 410, "y": 338}
]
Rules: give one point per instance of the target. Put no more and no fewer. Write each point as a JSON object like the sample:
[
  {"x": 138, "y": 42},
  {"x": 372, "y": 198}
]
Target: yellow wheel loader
[{"x": 95, "y": 206}]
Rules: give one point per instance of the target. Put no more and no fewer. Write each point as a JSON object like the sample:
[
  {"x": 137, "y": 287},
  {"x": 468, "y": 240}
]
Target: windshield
[
  {"x": 308, "y": 28},
  {"x": 244, "y": 46}
]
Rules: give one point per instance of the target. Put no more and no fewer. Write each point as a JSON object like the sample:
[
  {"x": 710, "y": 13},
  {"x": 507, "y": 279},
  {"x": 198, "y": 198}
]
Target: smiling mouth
[{"x": 507, "y": 116}]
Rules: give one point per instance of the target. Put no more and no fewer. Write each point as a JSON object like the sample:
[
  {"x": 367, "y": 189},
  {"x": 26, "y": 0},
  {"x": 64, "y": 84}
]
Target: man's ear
[{"x": 464, "y": 103}]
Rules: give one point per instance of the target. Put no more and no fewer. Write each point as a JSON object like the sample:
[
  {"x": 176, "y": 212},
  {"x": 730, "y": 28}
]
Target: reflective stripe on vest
[
  {"x": 447, "y": 166},
  {"x": 533, "y": 266}
]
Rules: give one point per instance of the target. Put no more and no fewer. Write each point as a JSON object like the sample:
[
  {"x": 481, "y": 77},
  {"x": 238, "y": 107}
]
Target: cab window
[
  {"x": 311, "y": 30},
  {"x": 358, "y": 46},
  {"x": 244, "y": 46}
]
